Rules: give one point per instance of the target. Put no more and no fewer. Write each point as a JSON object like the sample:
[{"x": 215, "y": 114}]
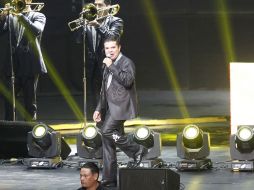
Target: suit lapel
[
  {"x": 90, "y": 37},
  {"x": 99, "y": 38},
  {"x": 22, "y": 28}
]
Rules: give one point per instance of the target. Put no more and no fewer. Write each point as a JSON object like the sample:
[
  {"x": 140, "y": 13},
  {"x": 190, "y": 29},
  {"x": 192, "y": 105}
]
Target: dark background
[{"x": 192, "y": 35}]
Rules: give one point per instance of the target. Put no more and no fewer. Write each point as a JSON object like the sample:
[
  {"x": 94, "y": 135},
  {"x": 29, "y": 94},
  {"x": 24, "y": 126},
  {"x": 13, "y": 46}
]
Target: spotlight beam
[
  {"x": 225, "y": 30},
  {"x": 8, "y": 95},
  {"x": 165, "y": 54},
  {"x": 63, "y": 89},
  {"x": 57, "y": 80}
]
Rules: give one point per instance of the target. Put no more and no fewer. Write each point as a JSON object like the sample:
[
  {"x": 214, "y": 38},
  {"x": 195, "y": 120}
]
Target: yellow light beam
[
  {"x": 8, "y": 96},
  {"x": 165, "y": 54},
  {"x": 62, "y": 88},
  {"x": 225, "y": 30},
  {"x": 57, "y": 80},
  {"x": 159, "y": 123}
]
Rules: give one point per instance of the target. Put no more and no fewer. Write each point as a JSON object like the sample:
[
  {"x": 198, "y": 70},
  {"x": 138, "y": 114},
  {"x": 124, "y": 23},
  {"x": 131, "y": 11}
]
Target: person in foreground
[
  {"x": 118, "y": 103},
  {"x": 89, "y": 174}
]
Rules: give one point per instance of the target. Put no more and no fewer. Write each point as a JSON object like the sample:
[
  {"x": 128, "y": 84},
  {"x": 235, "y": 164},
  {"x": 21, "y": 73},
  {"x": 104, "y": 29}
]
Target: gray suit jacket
[
  {"x": 27, "y": 55},
  {"x": 121, "y": 97}
]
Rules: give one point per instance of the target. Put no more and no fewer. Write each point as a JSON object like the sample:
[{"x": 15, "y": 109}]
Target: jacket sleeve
[
  {"x": 101, "y": 105},
  {"x": 3, "y": 24},
  {"x": 125, "y": 74},
  {"x": 114, "y": 27},
  {"x": 37, "y": 25}
]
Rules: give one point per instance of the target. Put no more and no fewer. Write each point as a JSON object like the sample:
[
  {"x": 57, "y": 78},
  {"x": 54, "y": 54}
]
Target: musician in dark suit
[
  {"x": 96, "y": 31},
  {"x": 26, "y": 30},
  {"x": 118, "y": 103}
]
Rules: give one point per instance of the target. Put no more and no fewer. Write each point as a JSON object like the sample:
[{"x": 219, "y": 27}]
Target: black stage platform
[
  {"x": 17, "y": 176},
  {"x": 153, "y": 105}
]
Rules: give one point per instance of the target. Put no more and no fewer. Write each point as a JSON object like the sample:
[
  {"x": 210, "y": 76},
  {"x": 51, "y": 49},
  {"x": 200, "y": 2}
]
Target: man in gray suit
[
  {"x": 96, "y": 32},
  {"x": 118, "y": 103}
]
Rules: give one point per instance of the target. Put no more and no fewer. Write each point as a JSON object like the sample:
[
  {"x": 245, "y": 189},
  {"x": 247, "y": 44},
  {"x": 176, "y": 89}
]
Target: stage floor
[
  {"x": 17, "y": 176},
  {"x": 208, "y": 109}
]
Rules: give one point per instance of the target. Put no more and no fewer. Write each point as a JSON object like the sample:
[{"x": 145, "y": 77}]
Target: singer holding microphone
[
  {"x": 117, "y": 103},
  {"x": 96, "y": 31}
]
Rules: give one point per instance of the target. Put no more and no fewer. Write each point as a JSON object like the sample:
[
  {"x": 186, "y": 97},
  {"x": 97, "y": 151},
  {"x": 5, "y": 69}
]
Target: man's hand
[
  {"x": 17, "y": 14},
  {"x": 94, "y": 23},
  {"x": 5, "y": 10},
  {"x": 107, "y": 61},
  {"x": 97, "y": 116}
]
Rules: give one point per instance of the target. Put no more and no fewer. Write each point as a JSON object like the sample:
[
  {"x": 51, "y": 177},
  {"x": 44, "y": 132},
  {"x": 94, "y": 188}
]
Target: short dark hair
[
  {"x": 112, "y": 39},
  {"x": 92, "y": 166},
  {"x": 107, "y": 2}
]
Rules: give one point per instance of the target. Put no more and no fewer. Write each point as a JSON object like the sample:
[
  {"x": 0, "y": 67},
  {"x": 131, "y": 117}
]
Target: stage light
[
  {"x": 152, "y": 141},
  {"x": 89, "y": 145},
  {"x": 245, "y": 139},
  {"x": 144, "y": 136},
  {"x": 39, "y": 131},
  {"x": 192, "y": 137},
  {"x": 46, "y": 146},
  {"x": 91, "y": 137},
  {"x": 193, "y": 146},
  {"x": 242, "y": 148},
  {"x": 41, "y": 136}
]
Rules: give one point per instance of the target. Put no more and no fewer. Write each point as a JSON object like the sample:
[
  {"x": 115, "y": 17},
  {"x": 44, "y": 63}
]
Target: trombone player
[
  {"x": 24, "y": 61},
  {"x": 95, "y": 32}
]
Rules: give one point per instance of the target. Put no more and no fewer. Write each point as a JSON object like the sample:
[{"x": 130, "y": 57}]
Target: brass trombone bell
[
  {"x": 18, "y": 6},
  {"x": 90, "y": 13}
]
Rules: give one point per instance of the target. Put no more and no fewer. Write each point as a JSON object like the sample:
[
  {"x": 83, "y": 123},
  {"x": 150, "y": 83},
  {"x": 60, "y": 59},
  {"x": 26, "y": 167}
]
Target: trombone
[
  {"x": 90, "y": 13},
  {"x": 19, "y": 6}
]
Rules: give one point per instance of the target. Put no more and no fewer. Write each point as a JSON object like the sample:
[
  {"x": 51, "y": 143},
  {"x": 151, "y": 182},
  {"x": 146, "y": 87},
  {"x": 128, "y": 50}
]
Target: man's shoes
[
  {"x": 108, "y": 183},
  {"x": 139, "y": 155}
]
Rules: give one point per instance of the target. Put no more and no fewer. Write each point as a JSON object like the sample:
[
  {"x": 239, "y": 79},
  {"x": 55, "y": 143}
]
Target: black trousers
[
  {"x": 112, "y": 136},
  {"x": 28, "y": 108}
]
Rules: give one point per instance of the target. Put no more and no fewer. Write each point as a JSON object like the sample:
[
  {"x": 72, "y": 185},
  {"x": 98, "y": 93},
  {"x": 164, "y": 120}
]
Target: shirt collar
[{"x": 117, "y": 59}]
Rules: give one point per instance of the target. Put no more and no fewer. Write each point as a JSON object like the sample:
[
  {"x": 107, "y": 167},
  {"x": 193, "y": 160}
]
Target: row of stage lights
[
  {"x": 193, "y": 146},
  {"x": 45, "y": 147}
]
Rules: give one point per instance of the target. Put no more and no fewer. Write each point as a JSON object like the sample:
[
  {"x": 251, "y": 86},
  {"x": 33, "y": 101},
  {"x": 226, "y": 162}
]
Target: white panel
[{"x": 241, "y": 94}]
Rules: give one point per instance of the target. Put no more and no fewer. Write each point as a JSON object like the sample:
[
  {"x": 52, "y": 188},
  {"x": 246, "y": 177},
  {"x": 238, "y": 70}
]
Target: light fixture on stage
[
  {"x": 193, "y": 146},
  {"x": 41, "y": 136},
  {"x": 89, "y": 145},
  {"x": 46, "y": 147},
  {"x": 244, "y": 139},
  {"x": 144, "y": 136},
  {"x": 152, "y": 141},
  {"x": 92, "y": 137},
  {"x": 242, "y": 148}
]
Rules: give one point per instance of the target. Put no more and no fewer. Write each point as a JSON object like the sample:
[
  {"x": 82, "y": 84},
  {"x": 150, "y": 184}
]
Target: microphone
[
  {"x": 105, "y": 65},
  {"x": 108, "y": 56}
]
